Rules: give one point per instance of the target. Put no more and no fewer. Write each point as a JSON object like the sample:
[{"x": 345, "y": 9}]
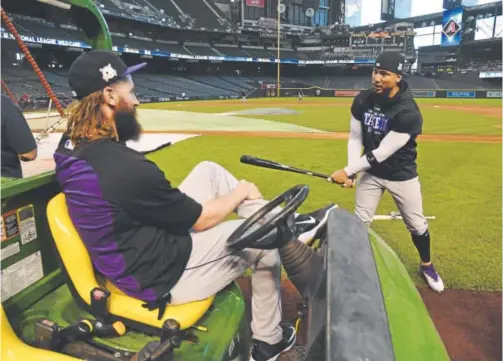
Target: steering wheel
[{"x": 278, "y": 230}]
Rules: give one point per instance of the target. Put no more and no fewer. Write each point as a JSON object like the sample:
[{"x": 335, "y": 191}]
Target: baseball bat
[{"x": 265, "y": 163}]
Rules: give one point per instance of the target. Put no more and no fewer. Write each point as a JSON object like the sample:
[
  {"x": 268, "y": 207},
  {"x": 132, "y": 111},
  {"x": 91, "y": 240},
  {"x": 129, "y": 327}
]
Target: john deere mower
[{"x": 359, "y": 303}]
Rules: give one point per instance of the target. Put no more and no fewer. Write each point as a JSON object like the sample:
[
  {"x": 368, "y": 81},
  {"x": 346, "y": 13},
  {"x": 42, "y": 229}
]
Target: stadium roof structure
[{"x": 494, "y": 8}]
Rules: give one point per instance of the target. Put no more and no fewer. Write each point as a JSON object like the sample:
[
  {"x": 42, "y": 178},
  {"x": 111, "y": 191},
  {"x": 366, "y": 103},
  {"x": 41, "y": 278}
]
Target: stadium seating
[
  {"x": 240, "y": 81},
  {"x": 417, "y": 82},
  {"x": 200, "y": 49},
  {"x": 177, "y": 86},
  {"x": 135, "y": 8},
  {"x": 258, "y": 52},
  {"x": 130, "y": 42},
  {"x": 170, "y": 46},
  {"x": 178, "y": 81},
  {"x": 210, "y": 86},
  {"x": 23, "y": 81},
  {"x": 29, "y": 26},
  {"x": 215, "y": 82},
  {"x": 230, "y": 50},
  {"x": 309, "y": 54},
  {"x": 204, "y": 14}
]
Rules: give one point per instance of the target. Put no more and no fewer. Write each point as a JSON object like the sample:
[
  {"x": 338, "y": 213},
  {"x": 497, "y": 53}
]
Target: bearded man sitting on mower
[{"x": 148, "y": 237}]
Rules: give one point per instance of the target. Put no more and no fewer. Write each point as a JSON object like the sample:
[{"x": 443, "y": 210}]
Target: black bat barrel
[{"x": 265, "y": 163}]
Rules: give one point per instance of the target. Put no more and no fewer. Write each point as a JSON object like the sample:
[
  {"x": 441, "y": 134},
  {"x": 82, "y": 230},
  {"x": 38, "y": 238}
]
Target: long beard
[{"x": 128, "y": 127}]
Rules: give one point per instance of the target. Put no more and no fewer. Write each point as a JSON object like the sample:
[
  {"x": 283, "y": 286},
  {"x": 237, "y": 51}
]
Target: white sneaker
[
  {"x": 311, "y": 224},
  {"x": 432, "y": 278},
  {"x": 262, "y": 351}
]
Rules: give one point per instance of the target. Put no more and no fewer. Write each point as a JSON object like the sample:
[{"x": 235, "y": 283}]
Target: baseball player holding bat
[{"x": 385, "y": 121}]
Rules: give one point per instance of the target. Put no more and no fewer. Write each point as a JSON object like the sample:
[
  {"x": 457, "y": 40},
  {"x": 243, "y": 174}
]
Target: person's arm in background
[
  {"x": 355, "y": 141},
  {"x": 392, "y": 142},
  {"x": 18, "y": 131}
]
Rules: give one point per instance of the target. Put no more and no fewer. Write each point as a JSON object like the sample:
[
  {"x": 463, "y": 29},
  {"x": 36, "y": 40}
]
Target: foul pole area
[{"x": 280, "y": 9}]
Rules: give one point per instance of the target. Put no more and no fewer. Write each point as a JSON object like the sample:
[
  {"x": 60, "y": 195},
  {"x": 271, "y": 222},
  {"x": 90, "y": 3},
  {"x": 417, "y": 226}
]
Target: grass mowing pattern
[
  {"x": 461, "y": 186},
  {"x": 334, "y": 116}
]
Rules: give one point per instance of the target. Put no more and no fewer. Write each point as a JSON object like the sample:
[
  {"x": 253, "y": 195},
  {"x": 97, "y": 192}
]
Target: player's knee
[
  {"x": 364, "y": 216},
  {"x": 207, "y": 166},
  {"x": 417, "y": 226}
]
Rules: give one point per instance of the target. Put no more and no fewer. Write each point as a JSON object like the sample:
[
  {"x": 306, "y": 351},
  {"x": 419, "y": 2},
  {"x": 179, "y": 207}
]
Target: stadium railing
[{"x": 153, "y": 95}]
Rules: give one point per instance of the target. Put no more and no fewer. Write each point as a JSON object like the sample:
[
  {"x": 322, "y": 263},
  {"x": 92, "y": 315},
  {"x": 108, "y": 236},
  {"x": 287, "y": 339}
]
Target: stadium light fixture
[{"x": 56, "y": 3}]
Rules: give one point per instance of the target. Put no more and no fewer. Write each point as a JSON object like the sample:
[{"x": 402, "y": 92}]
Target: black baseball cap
[
  {"x": 97, "y": 69},
  {"x": 391, "y": 61}
]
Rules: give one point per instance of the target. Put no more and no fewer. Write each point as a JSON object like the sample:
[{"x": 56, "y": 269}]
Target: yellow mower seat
[
  {"x": 14, "y": 349},
  {"x": 79, "y": 267}
]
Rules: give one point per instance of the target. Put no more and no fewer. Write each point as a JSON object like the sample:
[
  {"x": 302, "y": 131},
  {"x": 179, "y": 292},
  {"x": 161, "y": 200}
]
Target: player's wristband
[{"x": 371, "y": 159}]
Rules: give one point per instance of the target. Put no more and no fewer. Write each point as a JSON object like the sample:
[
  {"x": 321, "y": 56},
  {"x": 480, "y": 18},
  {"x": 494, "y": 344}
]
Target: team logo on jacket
[{"x": 377, "y": 122}]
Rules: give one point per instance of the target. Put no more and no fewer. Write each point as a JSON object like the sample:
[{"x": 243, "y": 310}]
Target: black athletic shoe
[
  {"x": 312, "y": 224},
  {"x": 262, "y": 351}
]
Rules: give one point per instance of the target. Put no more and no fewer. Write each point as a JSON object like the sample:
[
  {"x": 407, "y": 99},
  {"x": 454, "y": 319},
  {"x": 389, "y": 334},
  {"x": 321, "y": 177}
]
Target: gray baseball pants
[
  {"x": 205, "y": 182},
  {"x": 406, "y": 194}
]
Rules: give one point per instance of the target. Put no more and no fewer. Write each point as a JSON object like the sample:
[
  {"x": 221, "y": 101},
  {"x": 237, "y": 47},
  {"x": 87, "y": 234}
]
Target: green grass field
[
  {"x": 334, "y": 116},
  {"x": 461, "y": 182}
]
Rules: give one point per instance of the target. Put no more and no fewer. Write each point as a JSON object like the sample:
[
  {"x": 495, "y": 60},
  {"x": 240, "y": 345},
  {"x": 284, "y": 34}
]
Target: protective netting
[
  {"x": 10, "y": 26},
  {"x": 9, "y": 93}
]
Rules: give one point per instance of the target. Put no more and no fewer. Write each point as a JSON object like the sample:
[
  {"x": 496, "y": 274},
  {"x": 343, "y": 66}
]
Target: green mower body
[{"x": 370, "y": 312}]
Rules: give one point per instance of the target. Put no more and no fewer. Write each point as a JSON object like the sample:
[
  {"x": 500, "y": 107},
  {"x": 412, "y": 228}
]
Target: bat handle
[{"x": 330, "y": 180}]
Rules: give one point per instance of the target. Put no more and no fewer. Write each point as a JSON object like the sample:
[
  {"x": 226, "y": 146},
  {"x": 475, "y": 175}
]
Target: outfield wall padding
[
  {"x": 337, "y": 93},
  {"x": 350, "y": 93},
  {"x": 313, "y": 92}
]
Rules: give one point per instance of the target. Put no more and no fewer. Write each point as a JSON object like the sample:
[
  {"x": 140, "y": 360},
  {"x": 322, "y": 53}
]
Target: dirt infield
[
  {"x": 336, "y": 135},
  {"x": 468, "y": 322}
]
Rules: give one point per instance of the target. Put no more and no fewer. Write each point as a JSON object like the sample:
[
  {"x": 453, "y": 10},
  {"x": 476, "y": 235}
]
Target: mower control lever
[
  {"x": 171, "y": 338},
  {"x": 51, "y": 336}
]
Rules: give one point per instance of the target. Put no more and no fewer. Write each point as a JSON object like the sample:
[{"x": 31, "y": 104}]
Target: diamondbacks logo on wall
[
  {"x": 376, "y": 121},
  {"x": 451, "y": 28}
]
